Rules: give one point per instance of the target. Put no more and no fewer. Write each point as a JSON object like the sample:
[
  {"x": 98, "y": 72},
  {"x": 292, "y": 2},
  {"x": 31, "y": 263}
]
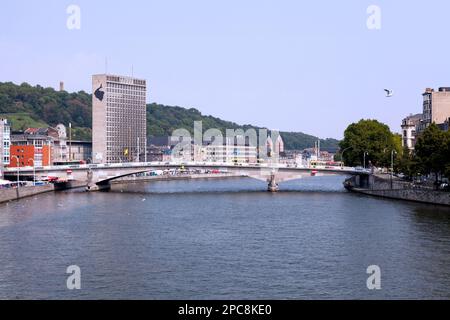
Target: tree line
[
  {"x": 374, "y": 142},
  {"x": 430, "y": 157}
]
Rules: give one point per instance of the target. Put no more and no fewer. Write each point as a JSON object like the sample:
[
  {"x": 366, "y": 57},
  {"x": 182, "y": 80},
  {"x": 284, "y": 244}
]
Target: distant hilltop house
[{"x": 436, "y": 109}]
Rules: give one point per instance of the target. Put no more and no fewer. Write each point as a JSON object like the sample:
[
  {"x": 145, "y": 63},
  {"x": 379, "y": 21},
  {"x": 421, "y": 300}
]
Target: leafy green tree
[
  {"x": 432, "y": 151},
  {"x": 371, "y": 137},
  {"x": 406, "y": 163}
]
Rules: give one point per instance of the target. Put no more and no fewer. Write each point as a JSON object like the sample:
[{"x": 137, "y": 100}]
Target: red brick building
[{"x": 30, "y": 150}]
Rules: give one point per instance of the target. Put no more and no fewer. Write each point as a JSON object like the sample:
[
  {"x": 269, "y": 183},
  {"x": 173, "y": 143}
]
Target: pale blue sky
[{"x": 310, "y": 66}]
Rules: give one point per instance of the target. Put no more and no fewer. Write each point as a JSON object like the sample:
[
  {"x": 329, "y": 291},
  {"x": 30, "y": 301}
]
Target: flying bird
[{"x": 389, "y": 93}]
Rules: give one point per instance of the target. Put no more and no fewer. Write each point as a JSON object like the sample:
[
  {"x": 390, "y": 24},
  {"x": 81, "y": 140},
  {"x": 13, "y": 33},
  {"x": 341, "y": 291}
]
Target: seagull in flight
[{"x": 389, "y": 93}]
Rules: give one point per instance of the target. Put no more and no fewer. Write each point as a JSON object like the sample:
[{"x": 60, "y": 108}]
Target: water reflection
[{"x": 223, "y": 239}]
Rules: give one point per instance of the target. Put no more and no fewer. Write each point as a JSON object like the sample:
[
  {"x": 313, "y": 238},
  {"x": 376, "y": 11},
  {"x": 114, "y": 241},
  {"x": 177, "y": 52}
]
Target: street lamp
[
  {"x": 365, "y": 154},
  {"x": 18, "y": 168},
  {"x": 342, "y": 155},
  {"x": 138, "y": 150},
  {"x": 34, "y": 171},
  {"x": 70, "y": 142},
  {"x": 392, "y": 160},
  {"x": 145, "y": 150},
  {"x": 392, "y": 167}
]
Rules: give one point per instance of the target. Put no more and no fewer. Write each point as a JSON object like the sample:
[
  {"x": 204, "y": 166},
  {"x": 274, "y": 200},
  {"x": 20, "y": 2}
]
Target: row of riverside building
[
  {"x": 119, "y": 134},
  {"x": 436, "y": 109},
  {"x": 39, "y": 147}
]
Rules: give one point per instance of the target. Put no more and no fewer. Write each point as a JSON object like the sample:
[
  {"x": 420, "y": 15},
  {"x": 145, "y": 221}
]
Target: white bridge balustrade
[{"x": 99, "y": 176}]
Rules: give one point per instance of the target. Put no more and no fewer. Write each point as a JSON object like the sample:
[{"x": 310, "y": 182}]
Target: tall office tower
[{"x": 119, "y": 119}]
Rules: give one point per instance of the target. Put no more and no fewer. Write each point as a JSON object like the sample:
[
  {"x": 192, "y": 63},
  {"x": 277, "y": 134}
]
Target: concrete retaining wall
[
  {"x": 23, "y": 192},
  {"x": 400, "y": 190},
  {"x": 424, "y": 196}
]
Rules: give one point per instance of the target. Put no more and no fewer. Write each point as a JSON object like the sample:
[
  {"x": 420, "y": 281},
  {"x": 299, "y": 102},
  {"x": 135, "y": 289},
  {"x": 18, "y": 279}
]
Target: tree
[
  {"x": 406, "y": 163},
  {"x": 432, "y": 151},
  {"x": 372, "y": 137}
]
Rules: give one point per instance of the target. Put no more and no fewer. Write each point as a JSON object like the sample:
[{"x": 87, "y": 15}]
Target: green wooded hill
[{"x": 35, "y": 106}]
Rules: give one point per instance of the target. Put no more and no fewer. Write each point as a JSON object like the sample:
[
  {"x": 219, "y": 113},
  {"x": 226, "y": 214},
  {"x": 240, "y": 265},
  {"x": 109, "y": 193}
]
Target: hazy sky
[{"x": 310, "y": 66}]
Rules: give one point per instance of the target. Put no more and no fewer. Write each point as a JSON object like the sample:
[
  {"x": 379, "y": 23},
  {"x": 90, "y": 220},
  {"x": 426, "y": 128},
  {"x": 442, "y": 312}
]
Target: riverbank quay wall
[
  {"x": 396, "y": 189},
  {"x": 7, "y": 195}
]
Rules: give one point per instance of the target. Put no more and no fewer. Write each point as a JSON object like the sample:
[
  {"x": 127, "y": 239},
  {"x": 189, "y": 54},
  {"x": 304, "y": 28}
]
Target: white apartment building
[
  {"x": 409, "y": 130},
  {"x": 119, "y": 118},
  {"x": 230, "y": 152},
  {"x": 5, "y": 144}
]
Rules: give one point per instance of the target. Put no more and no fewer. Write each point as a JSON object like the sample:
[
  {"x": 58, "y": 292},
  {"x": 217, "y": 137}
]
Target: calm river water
[{"x": 223, "y": 239}]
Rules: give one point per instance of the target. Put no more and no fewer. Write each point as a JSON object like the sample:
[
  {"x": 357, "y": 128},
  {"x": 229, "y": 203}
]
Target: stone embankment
[
  {"x": 12, "y": 194},
  {"x": 7, "y": 195},
  {"x": 397, "y": 189}
]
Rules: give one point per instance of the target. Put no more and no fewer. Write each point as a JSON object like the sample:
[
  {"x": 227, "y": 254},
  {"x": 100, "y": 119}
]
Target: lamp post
[
  {"x": 365, "y": 154},
  {"x": 70, "y": 142},
  {"x": 145, "y": 150},
  {"x": 34, "y": 171},
  {"x": 342, "y": 155},
  {"x": 392, "y": 168},
  {"x": 138, "y": 151},
  {"x": 18, "y": 170}
]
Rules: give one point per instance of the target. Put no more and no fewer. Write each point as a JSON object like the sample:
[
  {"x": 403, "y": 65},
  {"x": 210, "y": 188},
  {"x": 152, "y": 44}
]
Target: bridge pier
[
  {"x": 273, "y": 185},
  {"x": 98, "y": 187}
]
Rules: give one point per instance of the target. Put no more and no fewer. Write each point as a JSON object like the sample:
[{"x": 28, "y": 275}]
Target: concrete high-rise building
[
  {"x": 436, "y": 107},
  {"x": 119, "y": 124},
  {"x": 5, "y": 143}
]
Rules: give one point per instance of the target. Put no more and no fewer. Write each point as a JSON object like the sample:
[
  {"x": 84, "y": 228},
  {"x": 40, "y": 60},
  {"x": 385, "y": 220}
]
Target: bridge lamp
[
  {"x": 18, "y": 169},
  {"x": 392, "y": 160},
  {"x": 34, "y": 171},
  {"x": 342, "y": 155},
  {"x": 365, "y": 154},
  {"x": 392, "y": 168}
]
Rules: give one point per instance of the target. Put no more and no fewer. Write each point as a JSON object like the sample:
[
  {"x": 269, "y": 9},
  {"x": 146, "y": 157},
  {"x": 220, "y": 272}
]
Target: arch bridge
[{"x": 99, "y": 176}]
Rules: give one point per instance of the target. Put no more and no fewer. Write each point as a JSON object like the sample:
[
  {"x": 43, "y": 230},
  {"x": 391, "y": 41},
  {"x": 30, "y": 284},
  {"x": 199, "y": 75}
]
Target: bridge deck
[{"x": 201, "y": 165}]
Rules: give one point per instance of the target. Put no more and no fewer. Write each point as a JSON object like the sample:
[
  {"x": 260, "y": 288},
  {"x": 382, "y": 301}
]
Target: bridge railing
[{"x": 186, "y": 164}]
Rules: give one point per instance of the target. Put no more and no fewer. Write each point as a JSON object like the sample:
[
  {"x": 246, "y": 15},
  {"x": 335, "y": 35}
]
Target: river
[{"x": 223, "y": 239}]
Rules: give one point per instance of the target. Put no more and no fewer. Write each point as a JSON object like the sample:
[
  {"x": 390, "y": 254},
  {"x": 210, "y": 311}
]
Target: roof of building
[
  {"x": 414, "y": 117},
  {"x": 26, "y": 137}
]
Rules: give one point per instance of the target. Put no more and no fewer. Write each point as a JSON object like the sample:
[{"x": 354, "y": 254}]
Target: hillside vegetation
[{"x": 34, "y": 106}]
